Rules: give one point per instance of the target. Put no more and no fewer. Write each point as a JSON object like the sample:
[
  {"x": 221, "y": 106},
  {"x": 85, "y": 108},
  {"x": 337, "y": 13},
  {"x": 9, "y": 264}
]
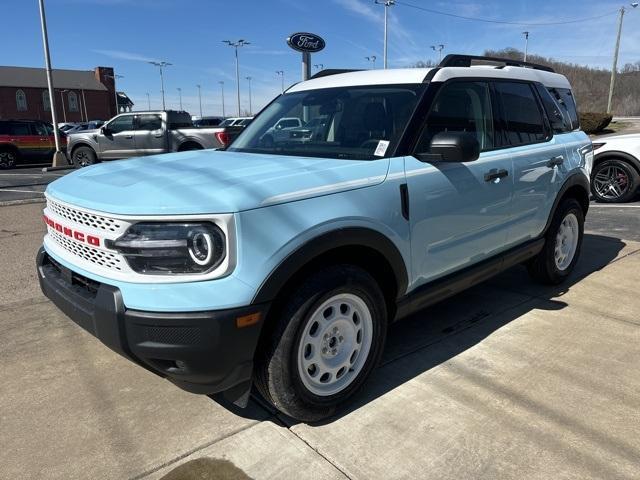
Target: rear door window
[
  {"x": 149, "y": 122},
  {"x": 559, "y": 123},
  {"x": 523, "y": 120},
  {"x": 565, "y": 99},
  {"x": 19, "y": 128}
]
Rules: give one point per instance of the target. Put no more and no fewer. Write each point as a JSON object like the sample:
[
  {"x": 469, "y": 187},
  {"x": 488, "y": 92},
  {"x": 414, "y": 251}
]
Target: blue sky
[{"x": 125, "y": 34}]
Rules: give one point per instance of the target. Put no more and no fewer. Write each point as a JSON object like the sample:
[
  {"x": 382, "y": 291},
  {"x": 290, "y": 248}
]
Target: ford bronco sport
[{"x": 280, "y": 265}]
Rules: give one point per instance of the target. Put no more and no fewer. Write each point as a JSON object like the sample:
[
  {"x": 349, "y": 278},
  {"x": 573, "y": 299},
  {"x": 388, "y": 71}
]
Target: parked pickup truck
[{"x": 139, "y": 134}]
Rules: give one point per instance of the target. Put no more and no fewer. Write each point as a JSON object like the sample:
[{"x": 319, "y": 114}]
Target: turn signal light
[{"x": 248, "y": 320}]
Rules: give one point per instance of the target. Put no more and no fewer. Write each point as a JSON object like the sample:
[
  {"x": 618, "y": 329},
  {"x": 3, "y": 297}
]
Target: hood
[{"x": 209, "y": 181}]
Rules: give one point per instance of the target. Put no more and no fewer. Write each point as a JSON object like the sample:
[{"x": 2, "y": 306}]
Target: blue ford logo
[{"x": 306, "y": 42}]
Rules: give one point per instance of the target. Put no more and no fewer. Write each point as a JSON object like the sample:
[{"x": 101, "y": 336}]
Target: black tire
[
  {"x": 543, "y": 267},
  {"x": 268, "y": 141},
  {"x": 277, "y": 375},
  {"x": 627, "y": 180},
  {"x": 8, "y": 158},
  {"x": 187, "y": 147},
  {"x": 83, "y": 157}
]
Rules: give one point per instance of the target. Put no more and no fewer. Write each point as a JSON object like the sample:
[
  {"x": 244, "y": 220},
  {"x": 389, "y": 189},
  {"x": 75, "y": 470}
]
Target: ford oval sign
[{"x": 306, "y": 42}]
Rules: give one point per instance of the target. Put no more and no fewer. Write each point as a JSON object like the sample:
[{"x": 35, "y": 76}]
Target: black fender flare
[
  {"x": 324, "y": 243},
  {"x": 615, "y": 154},
  {"x": 576, "y": 179}
]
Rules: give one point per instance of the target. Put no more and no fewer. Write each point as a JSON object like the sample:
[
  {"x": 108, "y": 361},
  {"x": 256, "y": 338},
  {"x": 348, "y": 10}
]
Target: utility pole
[
  {"x": 161, "y": 65},
  {"x": 64, "y": 112},
  {"x": 281, "y": 74},
  {"x": 148, "y": 102},
  {"x": 237, "y": 44},
  {"x": 115, "y": 91},
  {"x": 387, "y": 4},
  {"x": 372, "y": 59},
  {"x": 438, "y": 49},
  {"x": 615, "y": 55},
  {"x": 222, "y": 92},
  {"x": 199, "y": 99},
  {"x": 250, "y": 109},
  {"x": 180, "y": 95},
  {"x": 526, "y": 44},
  {"x": 58, "y": 156}
]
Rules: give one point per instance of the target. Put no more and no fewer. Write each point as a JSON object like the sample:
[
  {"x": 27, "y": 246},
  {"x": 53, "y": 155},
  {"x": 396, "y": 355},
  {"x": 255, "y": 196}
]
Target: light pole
[
  {"x": 526, "y": 44},
  {"x": 281, "y": 74},
  {"x": 615, "y": 56},
  {"x": 387, "y": 4},
  {"x": 372, "y": 59},
  {"x": 236, "y": 45},
  {"x": 58, "y": 157},
  {"x": 319, "y": 66},
  {"x": 222, "y": 93},
  {"x": 438, "y": 49},
  {"x": 115, "y": 92},
  {"x": 148, "y": 102},
  {"x": 64, "y": 112},
  {"x": 180, "y": 95},
  {"x": 199, "y": 98},
  {"x": 161, "y": 65},
  {"x": 250, "y": 109}
]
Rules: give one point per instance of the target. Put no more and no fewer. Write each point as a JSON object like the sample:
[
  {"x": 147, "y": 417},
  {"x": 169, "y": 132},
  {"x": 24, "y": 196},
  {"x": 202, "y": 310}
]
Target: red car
[{"x": 27, "y": 141}]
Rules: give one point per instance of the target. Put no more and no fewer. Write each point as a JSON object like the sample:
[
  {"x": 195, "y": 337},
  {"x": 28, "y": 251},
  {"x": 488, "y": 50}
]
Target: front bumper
[{"x": 201, "y": 352}]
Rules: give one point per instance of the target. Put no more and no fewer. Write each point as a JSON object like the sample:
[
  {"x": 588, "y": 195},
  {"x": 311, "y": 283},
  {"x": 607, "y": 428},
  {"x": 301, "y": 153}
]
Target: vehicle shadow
[{"x": 443, "y": 331}]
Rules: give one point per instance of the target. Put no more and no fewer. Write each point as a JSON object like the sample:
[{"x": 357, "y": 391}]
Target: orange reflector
[{"x": 248, "y": 320}]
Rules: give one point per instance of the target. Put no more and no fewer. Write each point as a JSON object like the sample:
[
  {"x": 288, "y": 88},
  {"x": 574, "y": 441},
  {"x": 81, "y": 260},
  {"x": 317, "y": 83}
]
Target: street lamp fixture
[
  {"x": 161, "y": 65},
  {"x": 237, "y": 44},
  {"x": 319, "y": 66},
  {"x": 438, "y": 49},
  {"x": 387, "y": 4},
  {"x": 222, "y": 92},
  {"x": 281, "y": 74},
  {"x": 526, "y": 44},
  {"x": 180, "y": 94},
  {"x": 372, "y": 59},
  {"x": 199, "y": 98},
  {"x": 114, "y": 77},
  {"x": 64, "y": 112},
  {"x": 148, "y": 101},
  {"x": 250, "y": 108}
]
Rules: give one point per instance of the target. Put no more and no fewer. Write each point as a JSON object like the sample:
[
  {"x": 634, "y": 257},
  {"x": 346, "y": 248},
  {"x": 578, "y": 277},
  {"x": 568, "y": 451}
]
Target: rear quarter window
[{"x": 567, "y": 103}]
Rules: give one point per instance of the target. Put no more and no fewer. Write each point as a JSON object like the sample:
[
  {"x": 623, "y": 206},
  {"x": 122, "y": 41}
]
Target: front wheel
[
  {"x": 83, "y": 157},
  {"x": 614, "y": 181},
  {"x": 7, "y": 159},
  {"x": 327, "y": 339},
  {"x": 562, "y": 245}
]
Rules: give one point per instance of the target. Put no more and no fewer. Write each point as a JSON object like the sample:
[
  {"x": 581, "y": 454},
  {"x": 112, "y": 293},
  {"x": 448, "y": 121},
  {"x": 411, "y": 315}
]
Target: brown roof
[{"x": 36, "y": 78}]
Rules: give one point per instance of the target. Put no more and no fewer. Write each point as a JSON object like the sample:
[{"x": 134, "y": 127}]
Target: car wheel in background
[
  {"x": 562, "y": 245},
  {"x": 8, "y": 159},
  {"x": 83, "y": 157},
  {"x": 327, "y": 338},
  {"x": 614, "y": 181}
]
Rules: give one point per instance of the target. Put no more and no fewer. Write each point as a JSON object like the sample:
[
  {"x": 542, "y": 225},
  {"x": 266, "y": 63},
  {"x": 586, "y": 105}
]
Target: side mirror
[
  {"x": 105, "y": 131},
  {"x": 452, "y": 147}
]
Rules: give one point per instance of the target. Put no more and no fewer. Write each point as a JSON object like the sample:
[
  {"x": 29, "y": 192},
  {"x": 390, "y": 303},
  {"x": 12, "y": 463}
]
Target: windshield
[{"x": 346, "y": 122}]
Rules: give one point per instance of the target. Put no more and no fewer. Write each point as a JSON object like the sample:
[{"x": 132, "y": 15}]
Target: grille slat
[
  {"x": 85, "y": 218},
  {"x": 90, "y": 254}
]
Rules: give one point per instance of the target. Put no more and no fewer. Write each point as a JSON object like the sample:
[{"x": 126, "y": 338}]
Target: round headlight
[{"x": 200, "y": 247}]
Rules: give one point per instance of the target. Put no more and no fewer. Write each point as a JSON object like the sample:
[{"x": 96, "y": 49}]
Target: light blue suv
[{"x": 282, "y": 264}]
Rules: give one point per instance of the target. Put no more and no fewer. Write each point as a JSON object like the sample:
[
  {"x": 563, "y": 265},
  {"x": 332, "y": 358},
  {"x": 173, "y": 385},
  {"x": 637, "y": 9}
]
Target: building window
[
  {"x": 45, "y": 101},
  {"x": 21, "y": 101},
  {"x": 73, "y": 102}
]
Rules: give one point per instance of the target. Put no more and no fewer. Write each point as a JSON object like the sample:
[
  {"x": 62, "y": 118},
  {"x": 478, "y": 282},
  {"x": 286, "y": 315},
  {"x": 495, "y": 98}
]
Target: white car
[
  {"x": 616, "y": 168},
  {"x": 281, "y": 131}
]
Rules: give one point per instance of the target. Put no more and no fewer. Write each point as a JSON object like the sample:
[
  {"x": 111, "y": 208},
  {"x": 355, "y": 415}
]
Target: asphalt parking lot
[
  {"x": 25, "y": 184},
  {"x": 507, "y": 380}
]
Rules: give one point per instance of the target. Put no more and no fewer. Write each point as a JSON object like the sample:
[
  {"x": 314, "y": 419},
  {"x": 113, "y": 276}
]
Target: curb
[{"x": 23, "y": 201}]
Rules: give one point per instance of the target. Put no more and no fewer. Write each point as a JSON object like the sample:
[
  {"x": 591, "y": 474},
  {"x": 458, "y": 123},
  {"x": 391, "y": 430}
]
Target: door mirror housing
[
  {"x": 105, "y": 131},
  {"x": 452, "y": 147}
]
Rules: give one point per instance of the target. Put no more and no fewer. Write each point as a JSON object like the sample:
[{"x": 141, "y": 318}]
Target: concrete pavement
[{"x": 507, "y": 380}]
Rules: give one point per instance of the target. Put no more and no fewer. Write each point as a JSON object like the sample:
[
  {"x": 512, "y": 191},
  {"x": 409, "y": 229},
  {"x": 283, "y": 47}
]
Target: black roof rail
[
  {"x": 333, "y": 71},
  {"x": 454, "y": 60}
]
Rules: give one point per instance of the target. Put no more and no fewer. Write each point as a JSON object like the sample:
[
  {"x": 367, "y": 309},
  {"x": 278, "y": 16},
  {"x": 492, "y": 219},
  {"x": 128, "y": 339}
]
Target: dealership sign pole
[{"x": 307, "y": 43}]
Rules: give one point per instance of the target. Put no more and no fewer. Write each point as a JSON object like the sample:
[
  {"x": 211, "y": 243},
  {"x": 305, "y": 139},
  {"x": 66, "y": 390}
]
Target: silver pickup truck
[{"x": 138, "y": 134}]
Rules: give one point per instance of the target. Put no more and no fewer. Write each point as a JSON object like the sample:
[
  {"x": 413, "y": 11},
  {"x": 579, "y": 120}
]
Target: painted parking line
[
  {"x": 614, "y": 206},
  {"x": 20, "y": 191}
]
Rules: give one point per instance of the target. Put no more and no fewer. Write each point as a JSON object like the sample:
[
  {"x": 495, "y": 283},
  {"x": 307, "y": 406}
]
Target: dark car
[{"x": 26, "y": 141}]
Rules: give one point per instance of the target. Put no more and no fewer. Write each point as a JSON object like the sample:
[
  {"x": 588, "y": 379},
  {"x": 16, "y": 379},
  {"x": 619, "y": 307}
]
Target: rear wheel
[
  {"x": 83, "y": 157},
  {"x": 328, "y": 337},
  {"x": 614, "y": 181},
  {"x": 8, "y": 159},
  {"x": 562, "y": 245}
]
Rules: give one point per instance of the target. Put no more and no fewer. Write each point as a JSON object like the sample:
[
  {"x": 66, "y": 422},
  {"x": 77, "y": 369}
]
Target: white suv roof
[{"x": 417, "y": 75}]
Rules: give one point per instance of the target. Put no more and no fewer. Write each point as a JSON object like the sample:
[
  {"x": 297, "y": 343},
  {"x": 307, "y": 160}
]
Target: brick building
[{"x": 79, "y": 95}]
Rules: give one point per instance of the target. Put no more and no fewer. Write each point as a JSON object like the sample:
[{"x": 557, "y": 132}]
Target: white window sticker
[{"x": 381, "y": 149}]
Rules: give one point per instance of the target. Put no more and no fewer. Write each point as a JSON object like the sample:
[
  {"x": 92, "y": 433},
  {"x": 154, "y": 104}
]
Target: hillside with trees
[{"x": 590, "y": 85}]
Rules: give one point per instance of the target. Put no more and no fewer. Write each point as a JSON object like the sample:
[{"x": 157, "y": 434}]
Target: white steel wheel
[
  {"x": 335, "y": 344},
  {"x": 566, "y": 241}
]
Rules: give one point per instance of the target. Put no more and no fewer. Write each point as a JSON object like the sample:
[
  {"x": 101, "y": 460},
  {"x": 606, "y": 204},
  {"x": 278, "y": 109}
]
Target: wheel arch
[
  {"x": 617, "y": 155},
  {"x": 183, "y": 147},
  {"x": 575, "y": 186},
  {"x": 82, "y": 144}
]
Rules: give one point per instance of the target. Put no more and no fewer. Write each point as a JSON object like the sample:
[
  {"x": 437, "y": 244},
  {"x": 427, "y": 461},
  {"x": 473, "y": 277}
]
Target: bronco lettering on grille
[{"x": 75, "y": 234}]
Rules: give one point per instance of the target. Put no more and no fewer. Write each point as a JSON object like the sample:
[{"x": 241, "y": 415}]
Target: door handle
[
  {"x": 128, "y": 136},
  {"x": 555, "y": 161},
  {"x": 44, "y": 139},
  {"x": 159, "y": 136},
  {"x": 495, "y": 174}
]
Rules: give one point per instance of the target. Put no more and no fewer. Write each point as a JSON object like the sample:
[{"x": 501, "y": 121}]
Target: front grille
[
  {"x": 88, "y": 253},
  {"x": 85, "y": 218}
]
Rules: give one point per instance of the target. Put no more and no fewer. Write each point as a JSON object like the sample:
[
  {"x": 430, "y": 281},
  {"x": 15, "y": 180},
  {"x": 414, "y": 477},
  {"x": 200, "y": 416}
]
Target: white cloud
[{"x": 122, "y": 55}]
